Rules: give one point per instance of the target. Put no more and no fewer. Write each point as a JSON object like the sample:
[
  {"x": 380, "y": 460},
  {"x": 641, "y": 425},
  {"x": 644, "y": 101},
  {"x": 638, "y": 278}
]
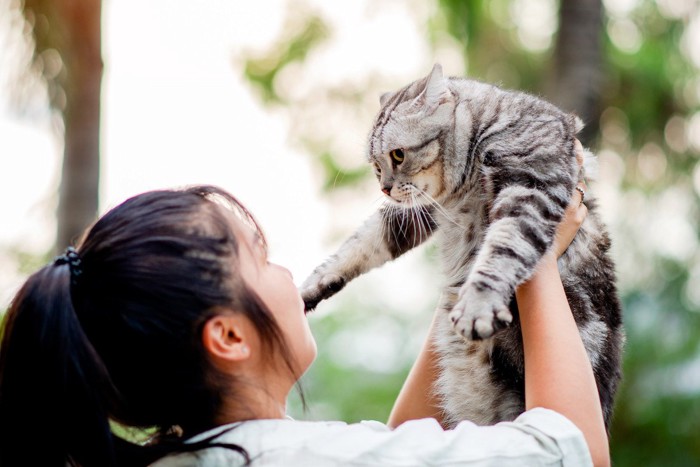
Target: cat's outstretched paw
[
  {"x": 479, "y": 314},
  {"x": 318, "y": 287}
]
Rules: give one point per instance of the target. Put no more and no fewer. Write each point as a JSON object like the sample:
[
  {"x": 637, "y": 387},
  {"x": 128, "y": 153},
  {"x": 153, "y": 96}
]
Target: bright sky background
[{"x": 177, "y": 111}]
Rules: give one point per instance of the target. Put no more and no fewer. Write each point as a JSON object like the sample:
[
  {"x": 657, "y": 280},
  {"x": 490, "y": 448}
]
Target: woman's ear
[{"x": 227, "y": 337}]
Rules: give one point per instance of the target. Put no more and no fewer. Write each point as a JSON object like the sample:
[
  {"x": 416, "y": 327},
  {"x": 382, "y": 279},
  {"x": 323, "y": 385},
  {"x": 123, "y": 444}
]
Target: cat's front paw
[
  {"x": 318, "y": 287},
  {"x": 479, "y": 313}
]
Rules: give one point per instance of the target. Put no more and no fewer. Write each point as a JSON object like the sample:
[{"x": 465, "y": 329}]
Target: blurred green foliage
[
  {"x": 301, "y": 34},
  {"x": 490, "y": 50},
  {"x": 338, "y": 177},
  {"x": 645, "y": 84},
  {"x": 348, "y": 389},
  {"x": 649, "y": 100},
  {"x": 262, "y": 71}
]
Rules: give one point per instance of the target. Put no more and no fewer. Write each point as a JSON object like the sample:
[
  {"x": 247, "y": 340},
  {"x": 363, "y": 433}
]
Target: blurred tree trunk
[
  {"x": 73, "y": 29},
  {"x": 576, "y": 78},
  {"x": 79, "y": 190}
]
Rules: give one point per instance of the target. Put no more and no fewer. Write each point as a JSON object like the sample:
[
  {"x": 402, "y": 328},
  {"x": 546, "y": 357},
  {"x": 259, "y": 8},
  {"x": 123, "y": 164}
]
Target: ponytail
[
  {"x": 114, "y": 333},
  {"x": 54, "y": 390}
]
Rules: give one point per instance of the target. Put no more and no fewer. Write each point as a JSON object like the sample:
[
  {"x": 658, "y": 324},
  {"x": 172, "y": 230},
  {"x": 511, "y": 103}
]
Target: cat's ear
[
  {"x": 436, "y": 86},
  {"x": 436, "y": 91},
  {"x": 384, "y": 98}
]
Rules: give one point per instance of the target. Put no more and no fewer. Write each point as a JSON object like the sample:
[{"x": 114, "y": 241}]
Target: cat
[{"x": 490, "y": 172}]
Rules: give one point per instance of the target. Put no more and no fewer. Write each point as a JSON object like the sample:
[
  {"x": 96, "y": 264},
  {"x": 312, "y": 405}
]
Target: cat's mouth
[
  {"x": 411, "y": 196},
  {"x": 403, "y": 201}
]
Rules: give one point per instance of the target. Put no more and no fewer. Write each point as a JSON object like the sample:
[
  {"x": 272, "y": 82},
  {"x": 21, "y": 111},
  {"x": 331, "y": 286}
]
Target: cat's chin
[
  {"x": 409, "y": 204},
  {"x": 403, "y": 203}
]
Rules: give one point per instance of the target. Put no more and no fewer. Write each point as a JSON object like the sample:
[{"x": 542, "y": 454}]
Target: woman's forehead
[{"x": 242, "y": 229}]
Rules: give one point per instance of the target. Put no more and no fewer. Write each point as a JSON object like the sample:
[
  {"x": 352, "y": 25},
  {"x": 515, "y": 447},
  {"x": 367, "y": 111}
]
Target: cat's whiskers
[
  {"x": 417, "y": 223},
  {"x": 403, "y": 229},
  {"x": 384, "y": 219},
  {"x": 393, "y": 209},
  {"x": 380, "y": 201},
  {"x": 437, "y": 205},
  {"x": 429, "y": 222},
  {"x": 388, "y": 209},
  {"x": 429, "y": 219},
  {"x": 416, "y": 213},
  {"x": 405, "y": 220},
  {"x": 423, "y": 220},
  {"x": 414, "y": 221}
]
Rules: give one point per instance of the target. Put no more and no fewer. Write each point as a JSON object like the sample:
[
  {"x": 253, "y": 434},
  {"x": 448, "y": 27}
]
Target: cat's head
[{"x": 405, "y": 142}]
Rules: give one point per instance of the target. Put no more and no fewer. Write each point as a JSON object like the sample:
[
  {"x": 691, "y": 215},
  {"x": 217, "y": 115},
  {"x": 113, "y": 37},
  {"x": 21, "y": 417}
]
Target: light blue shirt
[{"x": 538, "y": 437}]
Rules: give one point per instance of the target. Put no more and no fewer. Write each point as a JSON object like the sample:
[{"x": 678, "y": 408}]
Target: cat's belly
[{"x": 467, "y": 386}]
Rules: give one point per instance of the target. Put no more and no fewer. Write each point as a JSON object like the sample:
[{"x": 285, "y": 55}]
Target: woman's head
[{"x": 159, "y": 276}]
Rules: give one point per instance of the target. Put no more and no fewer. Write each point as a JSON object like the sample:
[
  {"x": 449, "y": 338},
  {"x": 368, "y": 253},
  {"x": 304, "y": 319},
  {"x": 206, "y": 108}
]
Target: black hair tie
[{"x": 72, "y": 259}]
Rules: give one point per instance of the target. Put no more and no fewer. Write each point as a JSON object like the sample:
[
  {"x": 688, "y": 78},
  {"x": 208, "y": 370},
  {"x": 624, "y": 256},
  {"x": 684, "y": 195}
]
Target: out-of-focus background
[{"x": 273, "y": 99}]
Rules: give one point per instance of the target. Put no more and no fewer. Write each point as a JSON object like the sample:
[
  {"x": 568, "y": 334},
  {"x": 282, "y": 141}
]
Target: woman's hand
[{"x": 574, "y": 215}]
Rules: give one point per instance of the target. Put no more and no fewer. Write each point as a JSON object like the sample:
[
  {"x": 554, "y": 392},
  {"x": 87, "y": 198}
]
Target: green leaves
[
  {"x": 336, "y": 177},
  {"x": 262, "y": 70}
]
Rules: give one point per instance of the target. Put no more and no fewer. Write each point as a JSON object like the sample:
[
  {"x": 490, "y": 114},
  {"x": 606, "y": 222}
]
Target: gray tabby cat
[{"x": 490, "y": 172}]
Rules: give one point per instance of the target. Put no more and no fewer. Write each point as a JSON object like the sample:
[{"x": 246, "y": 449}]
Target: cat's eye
[{"x": 396, "y": 156}]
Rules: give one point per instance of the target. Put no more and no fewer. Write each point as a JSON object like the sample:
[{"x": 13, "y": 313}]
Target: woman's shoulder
[
  {"x": 266, "y": 440},
  {"x": 537, "y": 437}
]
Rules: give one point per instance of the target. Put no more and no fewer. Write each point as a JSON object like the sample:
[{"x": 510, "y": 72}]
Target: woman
[{"x": 168, "y": 316}]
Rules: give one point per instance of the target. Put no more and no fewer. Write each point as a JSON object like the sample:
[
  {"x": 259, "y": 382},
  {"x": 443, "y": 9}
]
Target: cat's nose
[{"x": 386, "y": 189}]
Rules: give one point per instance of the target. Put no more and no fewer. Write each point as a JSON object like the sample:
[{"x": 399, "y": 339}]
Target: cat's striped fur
[{"x": 490, "y": 172}]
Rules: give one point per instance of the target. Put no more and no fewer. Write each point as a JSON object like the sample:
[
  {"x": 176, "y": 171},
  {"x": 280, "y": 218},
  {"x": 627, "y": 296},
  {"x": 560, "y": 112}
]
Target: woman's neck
[{"x": 255, "y": 402}]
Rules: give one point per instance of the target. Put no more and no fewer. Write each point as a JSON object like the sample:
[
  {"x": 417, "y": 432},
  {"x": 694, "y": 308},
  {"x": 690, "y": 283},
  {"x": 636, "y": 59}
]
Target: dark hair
[{"x": 122, "y": 340}]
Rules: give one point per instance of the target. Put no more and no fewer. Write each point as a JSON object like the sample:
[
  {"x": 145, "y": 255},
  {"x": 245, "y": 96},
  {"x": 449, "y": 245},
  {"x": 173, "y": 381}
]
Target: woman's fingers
[
  {"x": 574, "y": 216},
  {"x": 581, "y": 210}
]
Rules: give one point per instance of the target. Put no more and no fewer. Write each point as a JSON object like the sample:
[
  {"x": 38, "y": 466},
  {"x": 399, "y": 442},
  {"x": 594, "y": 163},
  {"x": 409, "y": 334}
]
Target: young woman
[{"x": 169, "y": 316}]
